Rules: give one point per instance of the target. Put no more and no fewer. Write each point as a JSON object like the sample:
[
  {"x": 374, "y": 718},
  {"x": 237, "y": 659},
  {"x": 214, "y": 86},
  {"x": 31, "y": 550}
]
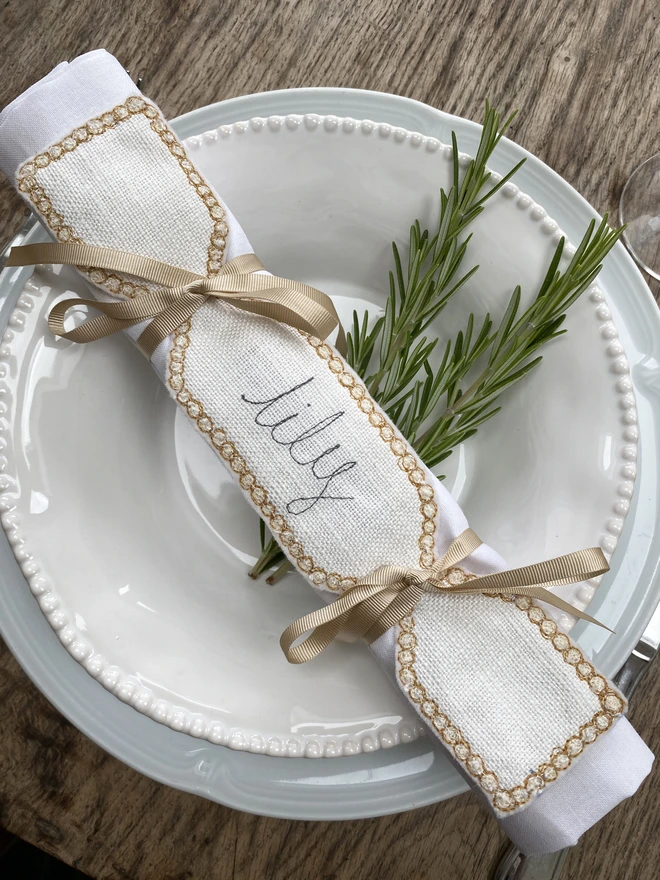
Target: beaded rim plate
[
  {"x": 176, "y": 657},
  {"x": 386, "y": 781}
]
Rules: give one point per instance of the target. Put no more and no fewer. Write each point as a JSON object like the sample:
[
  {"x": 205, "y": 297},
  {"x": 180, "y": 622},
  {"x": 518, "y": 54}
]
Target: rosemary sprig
[
  {"x": 510, "y": 352},
  {"x": 431, "y": 407},
  {"x": 432, "y": 276}
]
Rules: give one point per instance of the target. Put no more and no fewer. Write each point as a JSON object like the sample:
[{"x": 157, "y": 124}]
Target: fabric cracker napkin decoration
[{"x": 526, "y": 717}]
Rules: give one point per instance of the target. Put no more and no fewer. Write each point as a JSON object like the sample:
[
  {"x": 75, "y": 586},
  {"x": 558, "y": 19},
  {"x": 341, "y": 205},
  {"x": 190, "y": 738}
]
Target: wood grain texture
[{"x": 587, "y": 78}]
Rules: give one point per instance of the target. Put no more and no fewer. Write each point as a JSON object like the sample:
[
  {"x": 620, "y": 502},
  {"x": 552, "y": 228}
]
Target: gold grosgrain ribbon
[
  {"x": 181, "y": 294},
  {"x": 390, "y": 593}
]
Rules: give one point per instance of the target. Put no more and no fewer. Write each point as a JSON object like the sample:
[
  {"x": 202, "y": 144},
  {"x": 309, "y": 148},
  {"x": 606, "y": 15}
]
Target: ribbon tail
[
  {"x": 549, "y": 598},
  {"x": 315, "y": 643},
  {"x": 282, "y": 306},
  {"x": 73, "y": 254},
  {"x": 477, "y": 585},
  {"x": 530, "y": 580},
  {"x": 569, "y": 569},
  {"x": 461, "y": 547},
  {"x": 340, "y": 342}
]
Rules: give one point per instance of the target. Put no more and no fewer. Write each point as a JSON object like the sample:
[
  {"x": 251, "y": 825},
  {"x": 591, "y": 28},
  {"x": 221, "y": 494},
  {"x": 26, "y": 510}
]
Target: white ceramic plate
[
  {"x": 102, "y": 471},
  {"x": 385, "y": 781}
]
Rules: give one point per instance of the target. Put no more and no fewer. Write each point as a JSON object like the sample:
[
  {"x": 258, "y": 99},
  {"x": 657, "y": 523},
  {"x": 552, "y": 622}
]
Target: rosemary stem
[
  {"x": 412, "y": 390},
  {"x": 279, "y": 573},
  {"x": 396, "y": 346},
  {"x": 269, "y": 555}
]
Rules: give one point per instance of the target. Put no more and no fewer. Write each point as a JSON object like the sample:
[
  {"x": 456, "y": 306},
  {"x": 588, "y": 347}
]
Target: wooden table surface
[{"x": 586, "y": 77}]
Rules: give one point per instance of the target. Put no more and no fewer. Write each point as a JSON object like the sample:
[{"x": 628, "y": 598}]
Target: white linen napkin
[{"x": 526, "y": 717}]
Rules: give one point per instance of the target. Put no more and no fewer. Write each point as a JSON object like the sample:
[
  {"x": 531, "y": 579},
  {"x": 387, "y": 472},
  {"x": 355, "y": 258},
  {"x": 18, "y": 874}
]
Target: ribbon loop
[
  {"x": 181, "y": 293},
  {"x": 391, "y": 593}
]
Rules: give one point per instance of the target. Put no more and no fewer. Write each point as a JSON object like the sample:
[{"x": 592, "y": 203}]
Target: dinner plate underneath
[
  {"x": 384, "y": 781},
  {"x": 142, "y": 540}
]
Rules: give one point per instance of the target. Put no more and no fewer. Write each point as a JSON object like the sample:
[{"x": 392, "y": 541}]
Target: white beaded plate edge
[{"x": 125, "y": 686}]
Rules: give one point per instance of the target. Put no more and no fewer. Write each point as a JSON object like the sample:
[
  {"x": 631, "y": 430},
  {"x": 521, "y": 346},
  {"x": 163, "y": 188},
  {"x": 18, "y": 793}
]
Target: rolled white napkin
[{"x": 524, "y": 715}]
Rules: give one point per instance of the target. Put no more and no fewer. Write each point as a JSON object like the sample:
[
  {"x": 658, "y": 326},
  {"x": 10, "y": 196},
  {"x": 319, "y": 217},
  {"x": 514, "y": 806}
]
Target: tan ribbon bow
[
  {"x": 390, "y": 593},
  {"x": 181, "y": 294}
]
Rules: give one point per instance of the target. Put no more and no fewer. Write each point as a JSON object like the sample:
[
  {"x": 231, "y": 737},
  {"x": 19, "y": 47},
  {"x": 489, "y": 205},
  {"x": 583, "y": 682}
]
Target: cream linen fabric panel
[{"x": 366, "y": 515}]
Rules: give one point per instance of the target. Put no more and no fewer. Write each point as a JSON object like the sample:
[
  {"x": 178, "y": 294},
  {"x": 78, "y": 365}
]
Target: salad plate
[{"x": 565, "y": 447}]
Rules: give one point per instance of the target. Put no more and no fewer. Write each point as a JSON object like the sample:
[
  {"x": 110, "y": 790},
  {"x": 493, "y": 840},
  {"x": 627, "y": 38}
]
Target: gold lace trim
[
  {"x": 506, "y": 800},
  {"x": 399, "y": 448}
]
